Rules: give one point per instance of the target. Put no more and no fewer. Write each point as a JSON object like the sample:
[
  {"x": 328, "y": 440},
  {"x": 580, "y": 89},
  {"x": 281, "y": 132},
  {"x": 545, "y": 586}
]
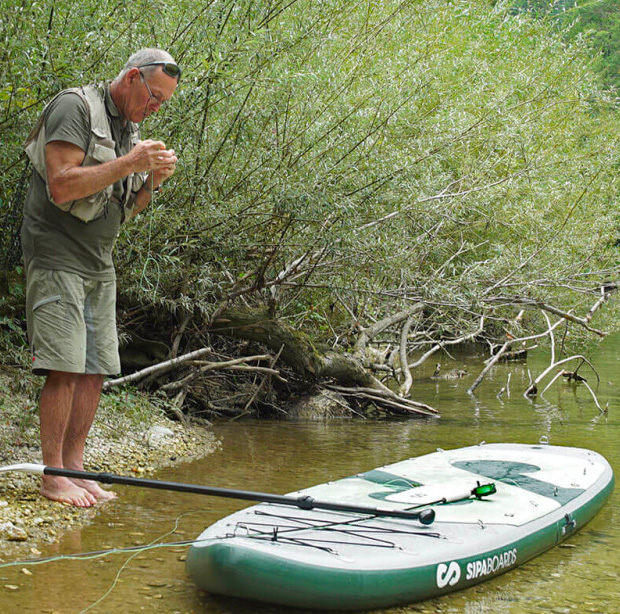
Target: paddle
[{"x": 304, "y": 502}]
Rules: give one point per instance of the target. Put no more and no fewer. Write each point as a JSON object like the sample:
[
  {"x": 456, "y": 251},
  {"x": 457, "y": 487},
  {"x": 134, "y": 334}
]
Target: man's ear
[{"x": 132, "y": 74}]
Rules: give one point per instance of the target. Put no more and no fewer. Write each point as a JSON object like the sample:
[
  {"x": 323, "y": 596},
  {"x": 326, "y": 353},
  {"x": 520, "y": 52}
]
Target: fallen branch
[
  {"x": 603, "y": 411},
  {"x": 559, "y": 374},
  {"x": 406, "y": 385},
  {"x": 387, "y": 398},
  {"x": 158, "y": 369},
  {"x": 237, "y": 364},
  {"x": 531, "y": 389},
  {"x": 506, "y": 389},
  {"x": 570, "y": 374},
  {"x": 274, "y": 360},
  {"x": 442, "y": 344},
  {"x": 503, "y": 350},
  {"x": 367, "y": 334},
  {"x": 566, "y": 315}
]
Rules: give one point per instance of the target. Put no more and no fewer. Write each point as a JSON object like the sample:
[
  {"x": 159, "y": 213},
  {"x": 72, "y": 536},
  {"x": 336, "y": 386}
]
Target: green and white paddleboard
[{"x": 339, "y": 560}]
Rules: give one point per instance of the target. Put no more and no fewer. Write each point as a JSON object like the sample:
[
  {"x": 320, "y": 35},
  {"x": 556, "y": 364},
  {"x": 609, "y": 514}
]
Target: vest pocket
[
  {"x": 92, "y": 207},
  {"x": 101, "y": 153}
]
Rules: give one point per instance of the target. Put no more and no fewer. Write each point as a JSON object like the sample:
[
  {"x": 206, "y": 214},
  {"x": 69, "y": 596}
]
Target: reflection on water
[{"x": 281, "y": 457}]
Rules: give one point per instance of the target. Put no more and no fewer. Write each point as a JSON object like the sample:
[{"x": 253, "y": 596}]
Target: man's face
[{"x": 149, "y": 89}]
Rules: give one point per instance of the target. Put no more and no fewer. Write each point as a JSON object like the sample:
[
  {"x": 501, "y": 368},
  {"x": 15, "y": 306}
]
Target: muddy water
[{"x": 281, "y": 457}]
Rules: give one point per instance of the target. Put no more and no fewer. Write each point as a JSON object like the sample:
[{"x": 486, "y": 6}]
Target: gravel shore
[{"x": 131, "y": 436}]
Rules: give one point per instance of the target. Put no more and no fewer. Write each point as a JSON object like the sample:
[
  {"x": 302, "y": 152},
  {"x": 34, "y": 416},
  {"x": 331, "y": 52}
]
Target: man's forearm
[
  {"x": 143, "y": 198},
  {"x": 71, "y": 184}
]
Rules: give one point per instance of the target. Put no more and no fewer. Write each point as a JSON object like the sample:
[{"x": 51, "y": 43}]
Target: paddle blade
[{"x": 25, "y": 467}]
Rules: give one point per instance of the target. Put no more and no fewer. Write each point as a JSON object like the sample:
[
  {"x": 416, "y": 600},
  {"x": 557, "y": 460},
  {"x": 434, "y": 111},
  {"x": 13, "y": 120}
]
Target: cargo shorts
[{"x": 71, "y": 323}]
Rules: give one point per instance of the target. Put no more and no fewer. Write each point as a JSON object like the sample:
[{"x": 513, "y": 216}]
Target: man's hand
[
  {"x": 165, "y": 166},
  {"x": 163, "y": 172},
  {"x": 152, "y": 156}
]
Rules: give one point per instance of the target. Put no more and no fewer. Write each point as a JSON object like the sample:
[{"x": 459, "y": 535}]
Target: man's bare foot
[
  {"x": 101, "y": 494},
  {"x": 64, "y": 490}
]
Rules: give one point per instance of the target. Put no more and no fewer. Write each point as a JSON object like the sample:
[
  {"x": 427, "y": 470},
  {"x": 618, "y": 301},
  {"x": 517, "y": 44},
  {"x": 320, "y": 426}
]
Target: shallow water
[{"x": 281, "y": 457}]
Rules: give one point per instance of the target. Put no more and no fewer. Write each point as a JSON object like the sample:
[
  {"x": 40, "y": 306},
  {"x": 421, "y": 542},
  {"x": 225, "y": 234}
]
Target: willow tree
[{"x": 356, "y": 174}]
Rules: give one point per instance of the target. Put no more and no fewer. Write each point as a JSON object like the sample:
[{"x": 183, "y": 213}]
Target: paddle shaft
[{"x": 304, "y": 502}]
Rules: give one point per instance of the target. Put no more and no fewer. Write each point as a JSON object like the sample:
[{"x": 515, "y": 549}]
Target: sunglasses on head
[{"x": 170, "y": 68}]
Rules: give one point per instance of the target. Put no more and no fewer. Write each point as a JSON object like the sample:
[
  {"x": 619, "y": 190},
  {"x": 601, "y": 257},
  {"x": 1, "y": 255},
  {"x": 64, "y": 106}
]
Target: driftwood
[
  {"x": 386, "y": 398},
  {"x": 158, "y": 369},
  {"x": 367, "y": 334},
  {"x": 312, "y": 363},
  {"x": 328, "y": 368},
  {"x": 565, "y": 316},
  {"x": 496, "y": 357}
]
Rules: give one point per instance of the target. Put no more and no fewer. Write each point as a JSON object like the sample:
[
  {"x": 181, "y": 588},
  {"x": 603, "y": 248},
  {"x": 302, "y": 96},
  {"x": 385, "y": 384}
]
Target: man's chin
[{"x": 138, "y": 117}]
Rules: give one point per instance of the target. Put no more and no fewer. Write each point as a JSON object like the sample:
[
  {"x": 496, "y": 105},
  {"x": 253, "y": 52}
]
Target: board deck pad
[{"x": 336, "y": 560}]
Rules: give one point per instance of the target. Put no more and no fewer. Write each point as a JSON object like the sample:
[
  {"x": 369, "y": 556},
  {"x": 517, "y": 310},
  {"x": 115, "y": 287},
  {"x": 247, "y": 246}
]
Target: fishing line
[
  {"x": 96, "y": 554},
  {"x": 126, "y": 563},
  {"x": 145, "y": 283}
]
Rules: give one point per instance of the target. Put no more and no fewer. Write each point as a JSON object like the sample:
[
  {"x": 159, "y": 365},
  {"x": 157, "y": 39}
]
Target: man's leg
[
  {"x": 85, "y": 402},
  {"x": 55, "y": 412}
]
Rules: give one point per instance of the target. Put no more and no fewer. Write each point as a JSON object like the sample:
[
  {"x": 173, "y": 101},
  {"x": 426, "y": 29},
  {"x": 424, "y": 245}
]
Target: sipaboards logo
[
  {"x": 450, "y": 573},
  {"x": 491, "y": 564}
]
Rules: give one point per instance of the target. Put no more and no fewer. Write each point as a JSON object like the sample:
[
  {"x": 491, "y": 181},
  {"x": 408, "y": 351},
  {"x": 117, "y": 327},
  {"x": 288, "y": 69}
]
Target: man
[{"x": 91, "y": 173}]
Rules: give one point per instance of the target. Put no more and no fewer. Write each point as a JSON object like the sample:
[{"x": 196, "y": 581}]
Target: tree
[{"x": 393, "y": 172}]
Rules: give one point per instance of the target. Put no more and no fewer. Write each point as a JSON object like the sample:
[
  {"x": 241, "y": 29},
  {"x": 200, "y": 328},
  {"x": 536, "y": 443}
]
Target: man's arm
[{"x": 68, "y": 180}]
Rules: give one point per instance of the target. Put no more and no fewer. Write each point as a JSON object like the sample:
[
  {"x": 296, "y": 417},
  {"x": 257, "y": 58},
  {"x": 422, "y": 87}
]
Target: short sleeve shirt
[{"x": 54, "y": 239}]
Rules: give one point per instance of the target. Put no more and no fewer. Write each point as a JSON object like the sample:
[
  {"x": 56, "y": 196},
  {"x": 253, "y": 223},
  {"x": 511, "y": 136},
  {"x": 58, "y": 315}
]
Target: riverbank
[{"x": 131, "y": 436}]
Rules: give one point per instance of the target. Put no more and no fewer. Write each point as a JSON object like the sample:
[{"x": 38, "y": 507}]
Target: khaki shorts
[{"x": 71, "y": 323}]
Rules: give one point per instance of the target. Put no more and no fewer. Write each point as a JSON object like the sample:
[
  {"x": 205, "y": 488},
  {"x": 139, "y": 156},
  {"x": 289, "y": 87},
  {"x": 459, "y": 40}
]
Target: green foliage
[
  {"x": 134, "y": 409},
  {"x": 344, "y": 158},
  {"x": 595, "y": 21}
]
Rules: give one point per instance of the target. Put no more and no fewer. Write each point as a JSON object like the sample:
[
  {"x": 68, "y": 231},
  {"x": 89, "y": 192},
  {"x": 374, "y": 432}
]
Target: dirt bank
[{"x": 131, "y": 436}]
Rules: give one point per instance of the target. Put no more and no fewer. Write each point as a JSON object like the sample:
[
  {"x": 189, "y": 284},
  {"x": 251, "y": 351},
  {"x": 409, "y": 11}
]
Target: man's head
[{"x": 148, "y": 79}]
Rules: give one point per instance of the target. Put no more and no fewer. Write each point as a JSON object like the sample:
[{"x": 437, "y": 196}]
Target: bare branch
[
  {"x": 503, "y": 350},
  {"x": 532, "y": 387},
  {"x": 442, "y": 344},
  {"x": 406, "y": 385},
  {"x": 386, "y": 397},
  {"x": 372, "y": 331},
  {"x": 559, "y": 312},
  {"x": 594, "y": 397},
  {"x": 158, "y": 369}
]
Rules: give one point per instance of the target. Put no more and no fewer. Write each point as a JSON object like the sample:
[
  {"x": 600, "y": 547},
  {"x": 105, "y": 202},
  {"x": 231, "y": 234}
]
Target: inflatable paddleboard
[{"x": 496, "y": 506}]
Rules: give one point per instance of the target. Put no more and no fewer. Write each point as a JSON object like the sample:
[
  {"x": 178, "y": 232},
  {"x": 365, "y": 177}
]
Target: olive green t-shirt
[{"x": 54, "y": 239}]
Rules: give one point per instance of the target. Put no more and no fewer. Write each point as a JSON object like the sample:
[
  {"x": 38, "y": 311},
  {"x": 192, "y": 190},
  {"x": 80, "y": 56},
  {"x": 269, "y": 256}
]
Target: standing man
[{"x": 91, "y": 173}]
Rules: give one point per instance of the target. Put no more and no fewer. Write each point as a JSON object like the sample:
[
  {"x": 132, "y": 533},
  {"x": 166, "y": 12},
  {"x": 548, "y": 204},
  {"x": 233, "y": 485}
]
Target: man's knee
[{"x": 61, "y": 379}]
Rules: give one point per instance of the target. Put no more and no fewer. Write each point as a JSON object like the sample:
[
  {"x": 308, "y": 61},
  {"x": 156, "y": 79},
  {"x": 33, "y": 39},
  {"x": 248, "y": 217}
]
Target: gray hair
[{"x": 145, "y": 56}]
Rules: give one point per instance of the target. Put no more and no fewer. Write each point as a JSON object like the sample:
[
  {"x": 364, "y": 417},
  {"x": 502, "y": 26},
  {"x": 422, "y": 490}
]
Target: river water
[{"x": 279, "y": 457}]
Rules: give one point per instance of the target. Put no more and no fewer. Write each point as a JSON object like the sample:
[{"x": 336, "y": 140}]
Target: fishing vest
[{"x": 101, "y": 148}]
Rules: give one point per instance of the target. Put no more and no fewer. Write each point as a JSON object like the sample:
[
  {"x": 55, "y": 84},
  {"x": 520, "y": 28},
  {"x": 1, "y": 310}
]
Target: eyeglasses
[
  {"x": 170, "y": 68},
  {"x": 152, "y": 96}
]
